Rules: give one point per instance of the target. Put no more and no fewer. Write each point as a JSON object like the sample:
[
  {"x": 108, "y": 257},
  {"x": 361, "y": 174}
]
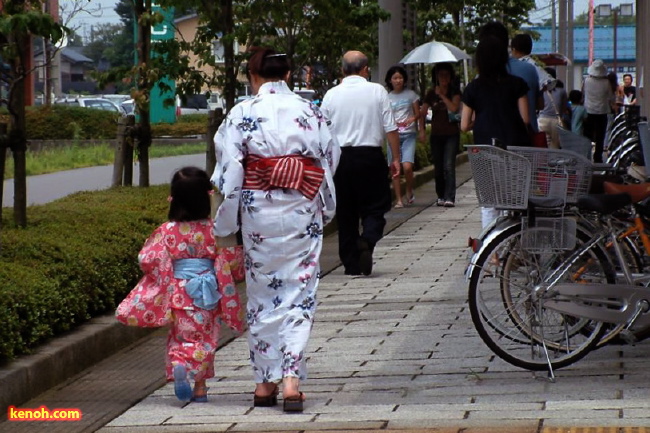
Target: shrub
[
  {"x": 193, "y": 118},
  {"x": 59, "y": 122},
  {"x": 180, "y": 129},
  {"x": 76, "y": 259}
]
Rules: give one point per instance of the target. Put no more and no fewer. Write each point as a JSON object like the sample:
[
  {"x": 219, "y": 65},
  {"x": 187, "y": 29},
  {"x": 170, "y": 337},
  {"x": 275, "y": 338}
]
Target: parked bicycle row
[{"x": 563, "y": 270}]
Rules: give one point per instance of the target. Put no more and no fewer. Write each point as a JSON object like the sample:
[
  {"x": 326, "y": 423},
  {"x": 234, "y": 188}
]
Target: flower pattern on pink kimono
[{"x": 160, "y": 299}]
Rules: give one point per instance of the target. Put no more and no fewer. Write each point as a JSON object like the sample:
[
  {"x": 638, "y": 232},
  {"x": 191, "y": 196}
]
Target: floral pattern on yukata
[
  {"x": 282, "y": 230},
  {"x": 159, "y": 298}
]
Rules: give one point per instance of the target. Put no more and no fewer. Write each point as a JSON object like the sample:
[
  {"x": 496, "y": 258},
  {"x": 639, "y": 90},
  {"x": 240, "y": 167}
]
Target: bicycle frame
[{"x": 612, "y": 303}]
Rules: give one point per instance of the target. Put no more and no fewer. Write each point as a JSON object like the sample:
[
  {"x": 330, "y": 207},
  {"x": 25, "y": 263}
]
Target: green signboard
[{"x": 161, "y": 32}]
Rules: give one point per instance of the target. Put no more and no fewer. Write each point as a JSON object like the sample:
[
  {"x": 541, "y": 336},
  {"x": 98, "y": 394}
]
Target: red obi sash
[{"x": 292, "y": 171}]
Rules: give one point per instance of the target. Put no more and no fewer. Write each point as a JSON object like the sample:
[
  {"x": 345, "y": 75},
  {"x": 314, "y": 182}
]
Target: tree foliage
[{"x": 458, "y": 22}]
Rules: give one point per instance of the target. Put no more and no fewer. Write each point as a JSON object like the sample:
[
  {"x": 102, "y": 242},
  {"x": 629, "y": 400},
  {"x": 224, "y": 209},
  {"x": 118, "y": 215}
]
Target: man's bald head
[{"x": 354, "y": 62}]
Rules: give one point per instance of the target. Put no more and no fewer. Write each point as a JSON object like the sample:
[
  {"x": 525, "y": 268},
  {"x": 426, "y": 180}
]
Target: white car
[
  {"x": 128, "y": 106},
  {"x": 96, "y": 103}
]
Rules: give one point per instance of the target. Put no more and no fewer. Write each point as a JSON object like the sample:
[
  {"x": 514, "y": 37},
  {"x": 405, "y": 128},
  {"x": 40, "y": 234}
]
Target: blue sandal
[{"x": 182, "y": 387}]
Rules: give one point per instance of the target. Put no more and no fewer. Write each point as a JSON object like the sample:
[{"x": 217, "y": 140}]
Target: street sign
[{"x": 161, "y": 32}]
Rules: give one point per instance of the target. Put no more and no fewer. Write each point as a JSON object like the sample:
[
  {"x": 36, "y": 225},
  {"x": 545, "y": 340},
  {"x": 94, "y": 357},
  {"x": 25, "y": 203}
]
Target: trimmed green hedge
[
  {"x": 76, "y": 259},
  {"x": 61, "y": 122}
]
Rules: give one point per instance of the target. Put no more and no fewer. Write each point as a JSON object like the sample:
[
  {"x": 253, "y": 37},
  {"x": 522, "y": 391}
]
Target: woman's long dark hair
[
  {"x": 491, "y": 59},
  {"x": 190, "y": 195}
]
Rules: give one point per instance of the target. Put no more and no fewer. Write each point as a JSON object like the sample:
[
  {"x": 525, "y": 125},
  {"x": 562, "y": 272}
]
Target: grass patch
[{"x": 71, "y": 157}]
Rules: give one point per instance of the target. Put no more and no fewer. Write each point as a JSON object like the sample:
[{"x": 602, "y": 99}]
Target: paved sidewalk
[{"x": 395, "y": 351}]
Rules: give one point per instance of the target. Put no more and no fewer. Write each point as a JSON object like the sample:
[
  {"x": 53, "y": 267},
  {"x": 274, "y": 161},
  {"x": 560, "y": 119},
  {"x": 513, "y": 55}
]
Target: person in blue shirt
[{"x": 578, "y": 112}]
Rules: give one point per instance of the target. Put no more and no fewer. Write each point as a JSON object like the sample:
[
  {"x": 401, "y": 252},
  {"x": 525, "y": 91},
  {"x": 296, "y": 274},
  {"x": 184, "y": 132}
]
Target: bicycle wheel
[{"x": 506, "y": 300}]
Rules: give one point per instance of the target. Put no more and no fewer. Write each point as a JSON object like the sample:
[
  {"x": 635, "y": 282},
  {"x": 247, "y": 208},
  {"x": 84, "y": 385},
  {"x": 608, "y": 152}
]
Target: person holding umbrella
[{"x": 444, "y": 100}]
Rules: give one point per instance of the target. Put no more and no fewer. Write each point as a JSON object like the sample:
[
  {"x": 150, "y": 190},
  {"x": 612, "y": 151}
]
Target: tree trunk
[
  {"x": 144, "y": 84},
  {"x": 229, "y": 55},
  {"x": 3, "y": 163},
  {"x": 17, "y": 138},
  {"x": 214, "y": 121}
]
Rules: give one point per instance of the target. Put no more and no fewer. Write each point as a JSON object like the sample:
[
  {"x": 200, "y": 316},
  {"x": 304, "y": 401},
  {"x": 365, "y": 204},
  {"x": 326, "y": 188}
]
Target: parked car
[
  {"x": 128, "y": 106},
  {"x": 96, "y": 103},
  {"x": 193, "y": 104}
]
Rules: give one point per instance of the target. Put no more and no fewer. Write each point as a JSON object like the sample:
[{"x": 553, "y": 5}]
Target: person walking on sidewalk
[
  {"x": 362, "y": 119},
  {"x": 495, "y": 105},
  {"x": 187, "y": 284},
  {"x": 275, "y": 164},
  {"x": 598, "y": 98},
  {"x": 406, "y": 109},
  {"x": 444, "y": 100}
]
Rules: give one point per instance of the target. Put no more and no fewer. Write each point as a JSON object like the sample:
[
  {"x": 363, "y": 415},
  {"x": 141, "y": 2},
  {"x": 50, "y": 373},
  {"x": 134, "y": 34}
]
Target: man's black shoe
[{"x": 365, "y": 257}]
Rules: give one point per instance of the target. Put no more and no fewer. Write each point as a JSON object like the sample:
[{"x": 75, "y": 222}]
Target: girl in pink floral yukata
[{"x": 187, "y": 283}]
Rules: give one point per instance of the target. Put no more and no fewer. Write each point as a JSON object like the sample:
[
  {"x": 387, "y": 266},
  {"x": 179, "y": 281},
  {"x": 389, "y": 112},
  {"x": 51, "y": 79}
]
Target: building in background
[{"x": 626, "y": 49}]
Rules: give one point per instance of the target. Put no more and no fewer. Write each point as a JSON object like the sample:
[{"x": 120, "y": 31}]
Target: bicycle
[{"x": 551, "y": 295}]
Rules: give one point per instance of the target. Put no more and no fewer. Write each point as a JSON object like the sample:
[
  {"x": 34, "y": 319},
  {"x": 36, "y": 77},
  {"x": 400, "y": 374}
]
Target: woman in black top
[
  {"x": 444, "y": 101},
  {"x": 495, "y": 105}
]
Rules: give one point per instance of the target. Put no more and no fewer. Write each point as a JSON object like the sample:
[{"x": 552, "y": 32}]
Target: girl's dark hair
[
  {"x": 491, "y": 59},
  {"x": 391, "y": 72},
  {"x": 268, "y": 64},
  {"x": 575, "y": 96},
  {"x": 442, "y": 67},
  {"x": 190, "y": 198}
]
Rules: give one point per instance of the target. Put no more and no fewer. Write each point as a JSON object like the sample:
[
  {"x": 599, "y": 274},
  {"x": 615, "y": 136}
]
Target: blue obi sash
[{"x": 202, "y": 281}]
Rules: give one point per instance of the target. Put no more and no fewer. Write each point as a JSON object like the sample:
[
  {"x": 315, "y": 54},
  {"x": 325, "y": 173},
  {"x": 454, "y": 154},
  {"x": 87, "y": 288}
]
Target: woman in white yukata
[{"x": 275, "y": 165}]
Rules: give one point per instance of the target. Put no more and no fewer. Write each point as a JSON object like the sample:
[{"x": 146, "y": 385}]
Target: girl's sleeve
[
  {"x": 228, "y": 175},
  {"x": 154, "y": 255},
  {"x": 147, "y": 304},
  {"x": 229, "y": 307}
]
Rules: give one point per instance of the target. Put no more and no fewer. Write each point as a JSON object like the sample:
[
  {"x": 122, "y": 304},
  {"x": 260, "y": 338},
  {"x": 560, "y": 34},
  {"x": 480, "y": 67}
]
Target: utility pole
[
  {"x": 570, "y": 53},
  {"x": 553, "y": 27},
  {"x": 562, "y": 37}
]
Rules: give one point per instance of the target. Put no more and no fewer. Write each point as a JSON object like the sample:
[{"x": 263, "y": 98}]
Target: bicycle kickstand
[{"x": 641, "y": 307}]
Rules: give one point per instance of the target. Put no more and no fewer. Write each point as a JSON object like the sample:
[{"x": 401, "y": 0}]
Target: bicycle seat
[
  {"x": 637, "y": 192},
  {"x": 604, "y": 203}
]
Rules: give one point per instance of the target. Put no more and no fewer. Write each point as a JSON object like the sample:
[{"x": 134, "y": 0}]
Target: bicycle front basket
[
  {"x": 502, "y": 178},
  {"x": 557, "y": 173}
]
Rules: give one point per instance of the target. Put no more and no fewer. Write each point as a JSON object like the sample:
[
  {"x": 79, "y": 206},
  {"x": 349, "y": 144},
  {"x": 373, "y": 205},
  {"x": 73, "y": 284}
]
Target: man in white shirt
[{"x": 361, "y": 118}]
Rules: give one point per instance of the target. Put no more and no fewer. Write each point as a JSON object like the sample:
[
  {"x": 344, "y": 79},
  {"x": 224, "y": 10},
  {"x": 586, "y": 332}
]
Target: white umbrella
[{"x": 435, "y": 52}]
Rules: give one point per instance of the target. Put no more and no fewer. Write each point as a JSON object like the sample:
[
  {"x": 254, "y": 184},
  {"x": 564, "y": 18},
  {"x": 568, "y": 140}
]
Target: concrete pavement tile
[
  {"x": 156, "y": 416},
  {"x": 288, "y": 424},
  {"x": 261, "y": 416},
  {"x": 598, "y": 404},
  {"x": 466, "y": 425},
  {"x": 595, "y": 422},
  {"x": 190, "y": 428},
  {"x": 506, "y": 415},
  {"x": 638, "y": 413}
]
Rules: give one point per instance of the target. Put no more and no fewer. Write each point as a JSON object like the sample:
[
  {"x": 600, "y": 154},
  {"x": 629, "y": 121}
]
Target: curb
[{"x": 68, "y": 355}]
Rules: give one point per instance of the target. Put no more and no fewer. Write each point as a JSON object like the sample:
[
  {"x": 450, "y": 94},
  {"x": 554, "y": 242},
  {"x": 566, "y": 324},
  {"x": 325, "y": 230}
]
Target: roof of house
[
  {"x": 603, "y": 43},
  {"x": 74, "y": 55},
  {"x": 71, "y": 54}
]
